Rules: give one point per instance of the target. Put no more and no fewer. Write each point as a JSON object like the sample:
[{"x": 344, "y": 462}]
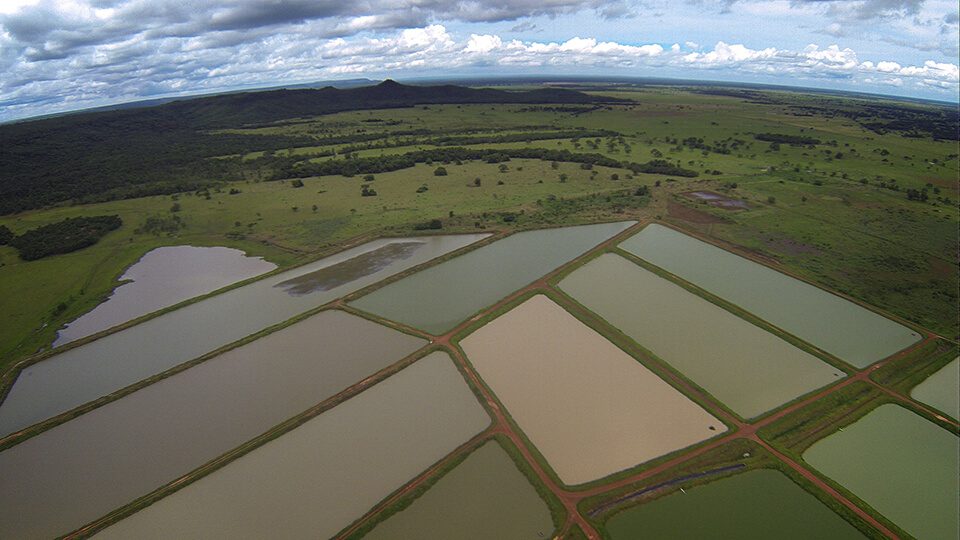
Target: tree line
[
  {"x": 380, "y": 164},
  {"x": 64, "y": 236}
]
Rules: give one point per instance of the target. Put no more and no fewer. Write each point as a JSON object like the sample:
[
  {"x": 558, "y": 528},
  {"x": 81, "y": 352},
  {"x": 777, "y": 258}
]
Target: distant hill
[{"x": 130, "y": 152}]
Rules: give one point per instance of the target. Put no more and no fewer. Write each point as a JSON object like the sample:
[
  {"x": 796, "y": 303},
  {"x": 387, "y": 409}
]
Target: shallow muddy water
[
  {"x": 747, "y": 368},
  {"x": 901, "y": 464},
  {"x": 942, "y": 389},
  {"x": 590, "y": 408},
  {"x": 834, "y": 324},
  {"x": 440, "y": 297},
  {"x": 317, "y": 479},
  {"x": 100, "y": 367},
  {"x": 161, "y": 278},
  {"x": 484, "y": 497},
  {"x": 80, "y": 470},
  {"x": 757, "y": 504}
]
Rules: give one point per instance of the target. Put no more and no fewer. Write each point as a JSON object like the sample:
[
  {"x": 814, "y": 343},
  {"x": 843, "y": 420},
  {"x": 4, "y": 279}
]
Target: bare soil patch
[{"x": 678, "y": 211}]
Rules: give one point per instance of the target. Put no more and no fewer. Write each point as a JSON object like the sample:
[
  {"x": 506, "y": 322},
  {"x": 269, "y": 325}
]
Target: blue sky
[{"x": 58, "y": 55}]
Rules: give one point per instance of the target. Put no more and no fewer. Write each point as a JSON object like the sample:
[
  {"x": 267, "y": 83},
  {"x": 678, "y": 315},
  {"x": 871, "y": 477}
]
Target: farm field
[
  {"x": 940, "y": 389},
  {"x": 483, "y": 497},
  {"x": 753, "y": 505},
  {"x": 743, "y": 366},
  {"x": 96, "y": 463},
  {"x": 318, "y": 478},
  {"x": 438, "y": 298},
  {"x": 99, "y": 367},
  {"x": 164, "y": 277},
  {"x": 537, "y": 352},
  {"x": 533, "y": 319},
  {"x": 842, "y": 328},
  {"x": 899, "y": 463}
]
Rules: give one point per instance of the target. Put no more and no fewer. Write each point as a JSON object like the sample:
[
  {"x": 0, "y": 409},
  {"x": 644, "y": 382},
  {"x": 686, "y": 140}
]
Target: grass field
[{"x": 824, "y": 216}]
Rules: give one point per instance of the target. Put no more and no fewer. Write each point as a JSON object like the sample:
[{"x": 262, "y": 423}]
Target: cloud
[{"x": 57, "y": 55}]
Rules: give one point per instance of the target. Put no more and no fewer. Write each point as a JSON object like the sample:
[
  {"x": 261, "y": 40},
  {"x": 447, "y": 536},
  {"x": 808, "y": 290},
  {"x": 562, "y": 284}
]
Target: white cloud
[{"x": 483, "y": 44}]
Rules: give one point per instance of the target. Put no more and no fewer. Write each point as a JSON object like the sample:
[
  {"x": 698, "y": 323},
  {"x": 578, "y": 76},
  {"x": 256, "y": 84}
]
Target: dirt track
[{"x": 741, "y": 430}]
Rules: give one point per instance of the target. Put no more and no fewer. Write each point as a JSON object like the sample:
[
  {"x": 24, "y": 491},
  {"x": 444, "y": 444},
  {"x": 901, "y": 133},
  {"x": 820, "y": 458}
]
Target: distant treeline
[
  {"x": 785, "y": 139},
  {"x": 153, "y": 150},
  {"x": 371, "y": 165},
  {"x": 64, "y": 236}
]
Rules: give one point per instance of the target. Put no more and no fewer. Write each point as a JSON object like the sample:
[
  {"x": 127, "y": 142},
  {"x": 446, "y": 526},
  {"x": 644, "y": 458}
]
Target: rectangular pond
[
  {"x": 484, "y": 497},
  {"x": 747, "y": 368},
  {"x": 320, "y": 477},
  {"x": 82, "y": 469},
  {"x": 901, "y": 464},
  {"x": 758, "y": 504},
  {"x": 836, "y": 325},
  {"x": 942, "y": 389},
  {"x": 95, "y": 369},
  {"x": 590, "y": 408},
  {"x": 438, "y": 298}
]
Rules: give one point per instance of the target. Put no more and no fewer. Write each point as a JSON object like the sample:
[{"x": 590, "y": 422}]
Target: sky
[{"x": 60, "y": 55}]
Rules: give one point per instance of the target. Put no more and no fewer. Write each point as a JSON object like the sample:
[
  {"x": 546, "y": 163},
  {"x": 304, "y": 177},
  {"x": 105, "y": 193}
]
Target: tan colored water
[
  {"x": 590, "y": 408},
  {"x": 78, "y": 471},
  {"x": 742, "y": 365},
  {"x": 317, "y": 479},
  {"x": 161, "y": 278},
  {"x": 485, "y": 497},
  {"x": 95, "y": 369}
]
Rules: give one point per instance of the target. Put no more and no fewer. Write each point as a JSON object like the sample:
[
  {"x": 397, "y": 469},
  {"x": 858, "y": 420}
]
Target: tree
[
  {"x": 563, "y": 178},
  {"x": 6, "y": 235},
  {"x": 175, "y": 207},
  {"x": 297, "y": 183},
  {"x": 503, "y": 168},
  {"x": 368, "y": 178},
  {"x": 772, "y": 200},
  {"x": 440, "y": 171},
  {"x": 476, "y": 182}
]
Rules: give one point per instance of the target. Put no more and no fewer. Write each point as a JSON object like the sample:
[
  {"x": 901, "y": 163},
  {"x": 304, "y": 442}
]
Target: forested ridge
[{"x": 105, "y": 155}]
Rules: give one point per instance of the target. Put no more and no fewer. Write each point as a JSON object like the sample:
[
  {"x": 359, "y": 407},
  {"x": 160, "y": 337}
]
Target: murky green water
[
  {"x": 80, "y": 470},
  {"x": 838, "y": 326},
  {"x": 438, "y": 298},
  {"x": 760, "y": 504},
  {"x": 317, "y": 479},
  {"x": 484, "y": 497},
  {"x": 742, "y": 365},
  {"x": 901, "y": 464},
  {"x": 98, "y": 368},
  {"x": 161, "y": 278},
  {"x": 942, "y": 389}
]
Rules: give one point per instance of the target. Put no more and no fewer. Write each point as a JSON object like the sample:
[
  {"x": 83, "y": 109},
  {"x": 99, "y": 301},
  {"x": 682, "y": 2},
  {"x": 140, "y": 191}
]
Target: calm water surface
[
  {"x": 590, "y": 408},
  {"x": 440, "y": 297},
  {"x": 163, "y": 277},
  {"x": 903, "y": 465},
  {"x": 319, "y": 478},
  {"x": 81, "y": 470},
  {"x": 89, "y": 371},
  {"x": 484, "y": 497},
  {"x": 758, "y": 504},
  {"x": 838, "y": 326},
  {"x": 742, "y": 365},
  {"x": 942, "y": 389}
]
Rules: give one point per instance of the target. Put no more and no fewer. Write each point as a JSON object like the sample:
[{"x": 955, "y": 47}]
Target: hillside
[{"x": 163, "y": 149}]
